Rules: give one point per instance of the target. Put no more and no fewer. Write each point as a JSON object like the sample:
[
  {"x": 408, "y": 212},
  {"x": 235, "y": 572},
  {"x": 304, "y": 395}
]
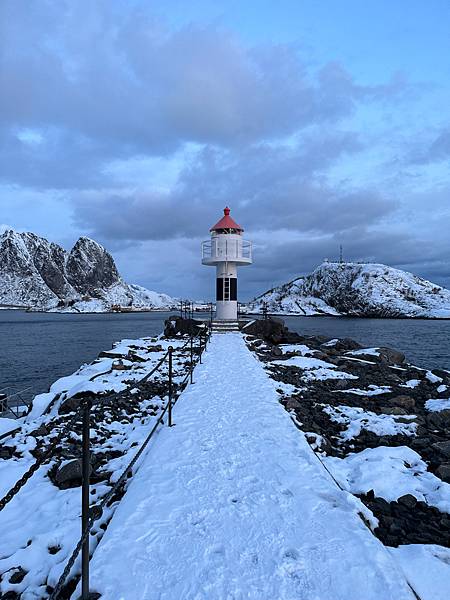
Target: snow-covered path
[{"x": 231, "y": 504}]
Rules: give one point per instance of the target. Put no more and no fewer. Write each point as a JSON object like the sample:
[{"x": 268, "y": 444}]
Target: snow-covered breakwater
[
  {"x": 241, "y": 498},
  {"x": 381, "y": 427},
  {"x": 40, "y": 526}
]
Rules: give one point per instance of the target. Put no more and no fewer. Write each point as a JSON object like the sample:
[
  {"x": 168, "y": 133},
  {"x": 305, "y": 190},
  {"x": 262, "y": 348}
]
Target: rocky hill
[
  {"x": 39, "y": 274},
  {"x": 360, "y": 290}
]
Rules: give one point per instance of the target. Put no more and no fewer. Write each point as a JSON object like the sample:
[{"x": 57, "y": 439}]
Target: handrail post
[
  {"x": 86, "y": 467},
  {"x": 200, "y": 346},
  {"x": 192, "y": 355},
  {"x": 170, "y": 385}
]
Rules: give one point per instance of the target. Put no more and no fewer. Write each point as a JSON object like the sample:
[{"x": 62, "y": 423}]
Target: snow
[
  {"x": 374, "y": 390},
  {"x": 41, "y": 516},
  {"x": 364, "y": 352},
  {"x": 390, "y": 473},
  {"x": 7, "y": 424},
  {"x": 315, "y": 369},
  {"x": 304, "y": 362},
  {"x": 358, "y": 419},
  {"x": 426, "y": 567},
  {"x": 436, "y": 405},
  {"x": 432, "y": 378},
  {"x": 441, "y": 389},
  {"x": 231, "y": 503},
  {"x": 301, "y": 348},
  {"x": 412, "y": 383}
]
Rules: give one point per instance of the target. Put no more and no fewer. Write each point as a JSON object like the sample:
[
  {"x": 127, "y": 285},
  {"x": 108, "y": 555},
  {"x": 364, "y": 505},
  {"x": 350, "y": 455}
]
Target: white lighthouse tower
[{"x": 226, "y": 250}]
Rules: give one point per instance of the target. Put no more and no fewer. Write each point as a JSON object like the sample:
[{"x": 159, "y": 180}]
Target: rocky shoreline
[{"x": 369, "y": 414}]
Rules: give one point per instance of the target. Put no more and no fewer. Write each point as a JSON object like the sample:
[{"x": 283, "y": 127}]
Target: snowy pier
[{"x": 232, "y": 503}]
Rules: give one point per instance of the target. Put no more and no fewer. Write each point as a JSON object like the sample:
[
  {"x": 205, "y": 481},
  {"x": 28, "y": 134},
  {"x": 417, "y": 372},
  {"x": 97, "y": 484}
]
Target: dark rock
[
  {"x": 176, "y": 325},
  {"x": 407, "y": 500},
  {"x": 405, "y": 402},
  {"x": 70, "y": 473},
  {"x": 6, "y": 452},
  {"x": 443, "y": 448},
  {"x": 439, "y": 419},
  {"x": 17, "y": 575},
  {"x": 393, "y": 410},
  {"x": 443, "y": 471},
  {"x": 40, "y": 431},
  {"x": 69, "y": 405},
  {"x": 391, "y": 357}
]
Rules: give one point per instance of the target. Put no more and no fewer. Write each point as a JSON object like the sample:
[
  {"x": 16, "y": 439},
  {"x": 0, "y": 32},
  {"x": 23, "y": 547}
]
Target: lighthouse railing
[{"x": 228, "y": 249}]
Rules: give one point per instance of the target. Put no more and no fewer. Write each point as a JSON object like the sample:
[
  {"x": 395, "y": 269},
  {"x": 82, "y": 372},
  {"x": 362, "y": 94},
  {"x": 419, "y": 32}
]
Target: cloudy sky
[{"x": 319, "y": 122}]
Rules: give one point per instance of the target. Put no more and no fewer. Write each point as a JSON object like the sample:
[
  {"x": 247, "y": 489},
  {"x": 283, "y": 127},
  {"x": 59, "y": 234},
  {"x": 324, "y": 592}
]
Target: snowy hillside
[
  {"x": 364, "y": 290},
  {"x": 38, "y": 274}
]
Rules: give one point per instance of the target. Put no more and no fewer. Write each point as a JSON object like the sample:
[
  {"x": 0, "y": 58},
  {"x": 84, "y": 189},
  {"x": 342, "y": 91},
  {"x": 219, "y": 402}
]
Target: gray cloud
[{"x": 98, "y": 84}]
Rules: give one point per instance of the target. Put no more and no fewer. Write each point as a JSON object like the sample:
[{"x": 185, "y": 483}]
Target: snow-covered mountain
[
  {"x": 39, "y": 274},
  {"x": 364, "y": 290}
]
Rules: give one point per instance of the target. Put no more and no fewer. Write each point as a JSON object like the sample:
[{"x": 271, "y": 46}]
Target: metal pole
[
  {"x": 170, "y": 385},
  {"x": 192, "y": 355},
  {"x": 86, "y": 467}
]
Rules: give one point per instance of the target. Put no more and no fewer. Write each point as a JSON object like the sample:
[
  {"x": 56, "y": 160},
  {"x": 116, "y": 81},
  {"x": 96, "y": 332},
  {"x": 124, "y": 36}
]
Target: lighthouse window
[
  {"x": 233, "y": 288},
  {"x": 219, "y": 289}
]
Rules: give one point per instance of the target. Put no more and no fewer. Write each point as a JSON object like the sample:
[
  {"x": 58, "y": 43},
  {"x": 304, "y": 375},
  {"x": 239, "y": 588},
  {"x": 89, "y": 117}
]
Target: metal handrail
[{"x": 90, "y": 515}]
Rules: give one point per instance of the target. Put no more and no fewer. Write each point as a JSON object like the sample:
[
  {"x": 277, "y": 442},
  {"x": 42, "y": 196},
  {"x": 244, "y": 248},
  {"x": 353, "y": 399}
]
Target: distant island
[{"x": 357, "y": 290}]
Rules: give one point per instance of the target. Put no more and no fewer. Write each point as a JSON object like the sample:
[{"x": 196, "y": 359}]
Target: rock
[
  {"x": 438, "y": 420},
  {"x": 393, "y": 410},
  {"x": 175, "y": 325},
  {"x": 6, "y": 452},
  {"x": 405, "y": 402},
  {"x": 407, "y": 500},
  {"x": 276, "y": 351},
  {"x": 272, "y": 330},
  {"x": 40, "y": 431},
  {"x": 346, "y": 344},
  {"x": 391, "y": 357},
  {"x": 443, "y": 471},
  {"x": 70, "y": 472},
  {"x": 443, "y": 448},
  {"x": 69, "y": 405},
  {"x": 17, "y": 576}
]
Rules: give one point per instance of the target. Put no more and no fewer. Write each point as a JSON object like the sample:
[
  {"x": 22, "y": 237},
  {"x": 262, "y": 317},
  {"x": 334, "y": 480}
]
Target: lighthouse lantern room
[{"x": 226, "y": 250}]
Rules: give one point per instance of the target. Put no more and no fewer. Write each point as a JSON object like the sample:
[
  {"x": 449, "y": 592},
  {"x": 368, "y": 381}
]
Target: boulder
[
  {"x": 443, "y": 471},
  {"x": 272, "y": 330},
  {"x": 405, "y": 402},
  {"x": 175, "y": 325},
  {"x": 442, "y": 448},
  {"x": 70, "y": 473},
  {"x": 391, "y": 357},
  {"x": 439, "y": 420}
]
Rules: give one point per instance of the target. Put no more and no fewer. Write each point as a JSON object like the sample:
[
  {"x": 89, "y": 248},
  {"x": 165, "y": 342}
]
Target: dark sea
[{"x": 38, "y": 348}]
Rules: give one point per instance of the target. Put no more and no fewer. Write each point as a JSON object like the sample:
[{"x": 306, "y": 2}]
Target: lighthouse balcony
[{"x": 237, "y": 250}]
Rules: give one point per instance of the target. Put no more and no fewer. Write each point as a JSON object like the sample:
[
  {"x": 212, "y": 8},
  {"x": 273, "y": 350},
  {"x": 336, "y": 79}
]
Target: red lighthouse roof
[{"x": 226, "y": 222}]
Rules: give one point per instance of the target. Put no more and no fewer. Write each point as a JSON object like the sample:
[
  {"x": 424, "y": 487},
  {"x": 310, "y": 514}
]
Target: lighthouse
[{"x": 226, "y": 250}]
